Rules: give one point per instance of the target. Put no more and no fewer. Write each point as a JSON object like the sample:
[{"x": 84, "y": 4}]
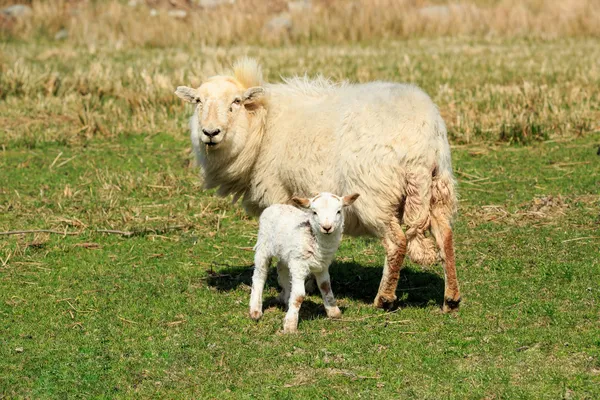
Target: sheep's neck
[{"x": 233, "y": 174}]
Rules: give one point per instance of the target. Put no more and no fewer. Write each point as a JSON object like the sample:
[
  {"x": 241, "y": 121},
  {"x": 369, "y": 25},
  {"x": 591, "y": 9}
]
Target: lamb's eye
[
  {"x": 237, "y": 101},
  {"x": 339, "y": 212},
  {"x": 314, "y": 213},
  {"x": 198, "y": 101}
]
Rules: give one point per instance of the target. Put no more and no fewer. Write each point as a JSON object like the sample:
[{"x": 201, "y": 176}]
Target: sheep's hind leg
[
  {"x": 442, "y": 231},
  {"x": 261, "y": 267},
  {"x": 394, "y": 243},
  {"x": 283, "y": 277},
  {"x": 290, "y": 324},
  {"x": 324, "y": 282}
]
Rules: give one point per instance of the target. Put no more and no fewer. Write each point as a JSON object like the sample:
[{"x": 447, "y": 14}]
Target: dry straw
[{"x": 326, "y": 21}]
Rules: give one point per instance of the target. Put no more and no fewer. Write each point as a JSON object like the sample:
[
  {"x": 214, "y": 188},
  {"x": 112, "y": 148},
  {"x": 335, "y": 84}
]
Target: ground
[{"x": 146, "y": 292}]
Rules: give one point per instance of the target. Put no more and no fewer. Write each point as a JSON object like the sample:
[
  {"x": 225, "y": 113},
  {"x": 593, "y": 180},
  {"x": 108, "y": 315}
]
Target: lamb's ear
[
  {"x": 349, "y": 199},
  {"x": 253, "y": 94},
  {"x": 301, "y": 202},
  {"x": 187, "y": 94}
]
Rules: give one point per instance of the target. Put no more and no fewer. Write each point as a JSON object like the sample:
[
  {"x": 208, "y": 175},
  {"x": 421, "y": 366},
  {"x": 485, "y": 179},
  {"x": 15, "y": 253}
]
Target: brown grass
[
  {"x": 329, "y": 21},
  {"x": 514, "y": 91}
]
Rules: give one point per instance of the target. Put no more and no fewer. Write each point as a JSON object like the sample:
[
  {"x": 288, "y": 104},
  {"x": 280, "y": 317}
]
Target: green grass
[{"x": 163, "y": 313}]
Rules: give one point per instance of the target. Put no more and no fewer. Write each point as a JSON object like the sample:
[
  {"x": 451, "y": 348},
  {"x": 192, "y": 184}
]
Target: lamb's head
[
  {"x": 226, "y": 107},
  {"x": 325, "y": 209}
]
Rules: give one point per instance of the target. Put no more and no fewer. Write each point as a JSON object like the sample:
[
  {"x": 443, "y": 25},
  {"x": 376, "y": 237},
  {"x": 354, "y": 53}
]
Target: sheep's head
[
  {"x": 326, "y": 210},
  {"x": 225, "y": 106}
]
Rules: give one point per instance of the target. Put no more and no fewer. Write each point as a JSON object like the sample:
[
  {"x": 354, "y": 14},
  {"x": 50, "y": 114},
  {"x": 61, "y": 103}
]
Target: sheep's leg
[
  {"x": 297, "y": 294},
  {"x": 442, "y": 231},
  {"x": 323, "y": 280},
  {"x": 261, "y": 267},
  {"x": 394, "y": 243},
  {"x": 283, "y": 277}
]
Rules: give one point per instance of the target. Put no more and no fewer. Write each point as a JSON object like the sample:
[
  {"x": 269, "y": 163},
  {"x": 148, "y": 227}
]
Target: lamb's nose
[
  {"x": 211, "y": 133},
  {"x": 327, "y": 228}
]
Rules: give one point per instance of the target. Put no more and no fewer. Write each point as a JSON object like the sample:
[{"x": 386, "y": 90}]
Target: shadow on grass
[{"x": 417, "y": 287}]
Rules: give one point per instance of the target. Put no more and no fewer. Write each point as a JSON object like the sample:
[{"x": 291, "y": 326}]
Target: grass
[
  {"x": 164, "y": 314},
  {"x": 92, "y": 139}
]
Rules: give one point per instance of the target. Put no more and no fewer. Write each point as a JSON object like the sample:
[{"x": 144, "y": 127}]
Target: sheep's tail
[
  {"x": 429, "y": 194},
  {"x": 420, "y": 248}
]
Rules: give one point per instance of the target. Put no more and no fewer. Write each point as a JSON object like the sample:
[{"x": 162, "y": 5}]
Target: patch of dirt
[
  {"x": 544, "y": 209},
  {"x": 545, "y": 206}
]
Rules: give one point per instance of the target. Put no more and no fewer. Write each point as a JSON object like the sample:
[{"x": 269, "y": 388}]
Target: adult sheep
[{"x": 269, "y": 142}]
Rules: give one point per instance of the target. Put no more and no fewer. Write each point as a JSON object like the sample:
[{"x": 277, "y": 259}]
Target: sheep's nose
[
  {"x": 211, "y": 133},
  {"x": 327, "y": 228}
]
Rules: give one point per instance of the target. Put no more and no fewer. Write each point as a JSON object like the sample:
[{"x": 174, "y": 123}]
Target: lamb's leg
[
  {"x": 442, "y": 231},
  {"x": 297, "y": 294},
  {"x": 283, "y": 277},
  {"x": 261, "y": 267},
  {"x": 323, "y": 280},
  {"x": 394, "y": 243}
]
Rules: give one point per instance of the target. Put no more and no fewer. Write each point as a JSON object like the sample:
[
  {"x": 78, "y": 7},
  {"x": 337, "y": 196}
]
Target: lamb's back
[{"x": 282, "y": 229}]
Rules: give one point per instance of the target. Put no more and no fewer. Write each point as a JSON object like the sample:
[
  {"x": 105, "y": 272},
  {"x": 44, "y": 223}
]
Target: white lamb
[{"x": 305, "y": 243}]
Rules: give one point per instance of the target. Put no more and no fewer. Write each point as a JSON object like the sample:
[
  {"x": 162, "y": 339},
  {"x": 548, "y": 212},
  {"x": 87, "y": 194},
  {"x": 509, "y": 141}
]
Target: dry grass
[
  {"x": 487, "y": 90},
  {"x": 328, "y": 21}
]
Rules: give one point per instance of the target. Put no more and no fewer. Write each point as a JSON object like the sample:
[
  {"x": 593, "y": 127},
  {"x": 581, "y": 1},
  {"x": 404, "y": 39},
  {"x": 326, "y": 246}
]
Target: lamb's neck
[{"x": 328, "y": 243}]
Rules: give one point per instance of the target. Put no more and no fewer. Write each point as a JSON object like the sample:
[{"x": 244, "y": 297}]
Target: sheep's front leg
[
  {"x": 323, "y": 280},
  {"x": 261, "y": 267},
  {"x": 290, "y": 324},
  {"x": 394, "y": 242}
]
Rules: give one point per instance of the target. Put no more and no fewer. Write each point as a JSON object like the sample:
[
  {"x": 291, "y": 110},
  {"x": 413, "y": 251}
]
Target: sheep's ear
[
  {"x": 187, "y": 94},
  {"x": 301, "y": 202},
  {"x": 253, "y": 94},
  {"x": 349, "y": 199}
]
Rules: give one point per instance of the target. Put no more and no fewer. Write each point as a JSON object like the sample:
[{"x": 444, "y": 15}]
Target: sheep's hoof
[
  {"x": 334, "y": 312},
  {"x": 384, "y": 302},
  {"x": 450, "y": 305},
  {"x": 255, "y": 314}
]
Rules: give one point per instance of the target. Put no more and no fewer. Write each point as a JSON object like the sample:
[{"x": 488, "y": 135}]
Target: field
[{"x": 139, "y": 285}]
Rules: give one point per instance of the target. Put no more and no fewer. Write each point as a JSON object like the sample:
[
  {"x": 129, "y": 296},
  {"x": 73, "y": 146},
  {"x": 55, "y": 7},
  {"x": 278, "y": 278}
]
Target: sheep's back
[{"x": 356, "y": 138}]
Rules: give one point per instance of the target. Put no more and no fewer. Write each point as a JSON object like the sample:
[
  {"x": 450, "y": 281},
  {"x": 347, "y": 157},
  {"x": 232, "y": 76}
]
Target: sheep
[
  {"x": 268, "y": 142},
  {"x": 305, "y": 243}
]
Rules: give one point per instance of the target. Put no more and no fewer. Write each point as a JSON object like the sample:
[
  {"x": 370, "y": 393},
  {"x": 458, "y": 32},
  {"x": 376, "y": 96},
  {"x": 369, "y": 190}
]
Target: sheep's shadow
[{"x": 417, "y": 287}]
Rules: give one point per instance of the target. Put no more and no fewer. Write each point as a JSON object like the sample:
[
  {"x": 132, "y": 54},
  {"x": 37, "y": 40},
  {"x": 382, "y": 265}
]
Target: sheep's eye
[
  {"x": 198, "y": 101},
  {"x": 237, "y": 101},
  {"x": 314, "y": 213},
  {"x": 339, "y": 212}
]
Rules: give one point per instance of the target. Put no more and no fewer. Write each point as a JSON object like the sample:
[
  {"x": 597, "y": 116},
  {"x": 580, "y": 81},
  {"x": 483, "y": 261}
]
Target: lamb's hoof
[
  {"x": 384, "y": 302},
  {"x": 255, "y": 314},
  {"x": 290, "y": 326},
  {"x": 334, "y": 312},
  {"x": 450, "y": 305}
]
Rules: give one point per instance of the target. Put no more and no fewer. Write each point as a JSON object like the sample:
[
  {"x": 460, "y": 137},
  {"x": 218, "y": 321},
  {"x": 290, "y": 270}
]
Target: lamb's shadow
[{"x": 417, "y": 287}]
